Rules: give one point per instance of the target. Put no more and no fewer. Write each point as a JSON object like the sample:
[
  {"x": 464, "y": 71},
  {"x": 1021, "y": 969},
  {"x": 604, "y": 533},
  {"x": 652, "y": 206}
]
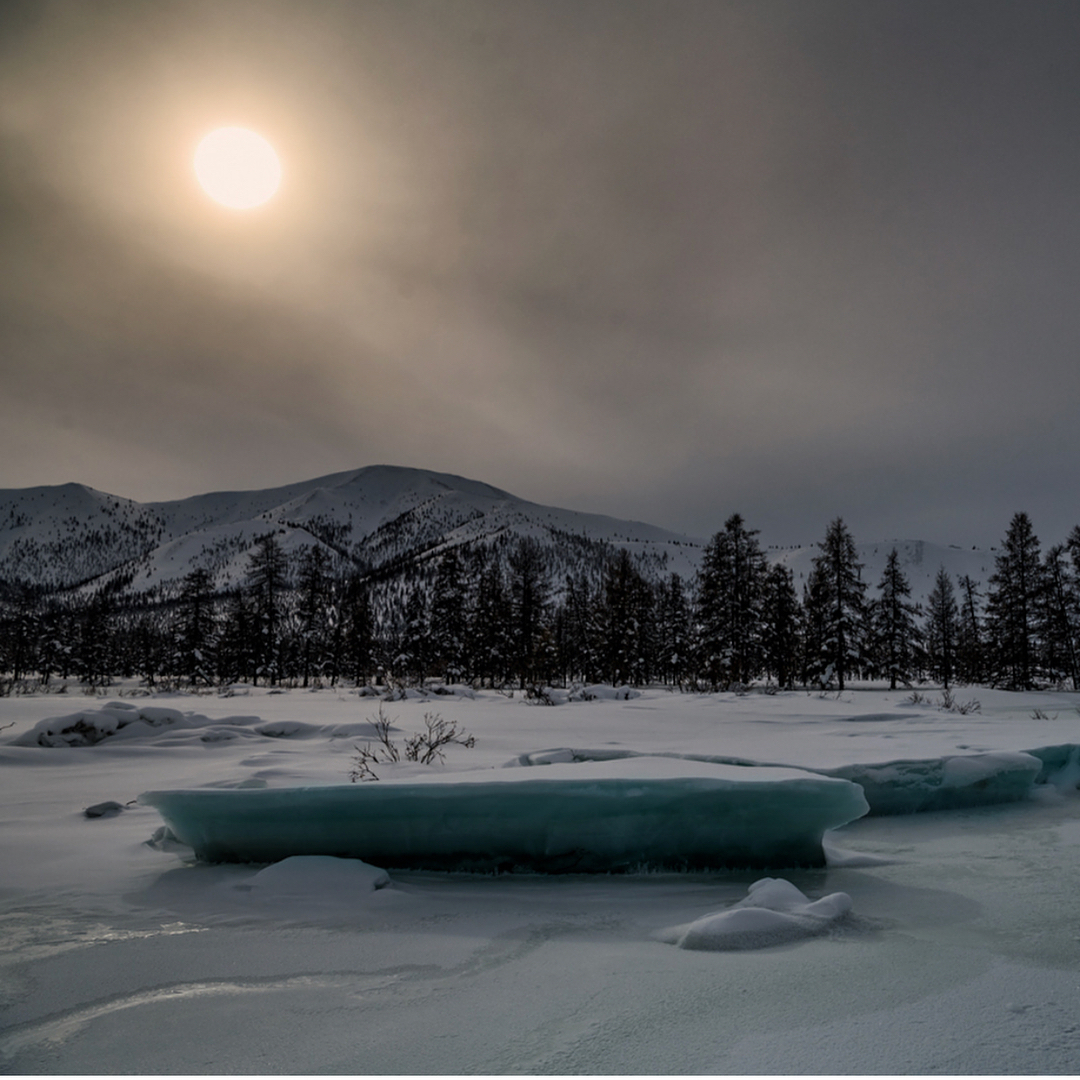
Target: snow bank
[
  {"x": 596, "y": 817},
  {"x": 774, "y": 912},
  {"x": 121, "y": 720},
  {"x": 89, "y": 726}
]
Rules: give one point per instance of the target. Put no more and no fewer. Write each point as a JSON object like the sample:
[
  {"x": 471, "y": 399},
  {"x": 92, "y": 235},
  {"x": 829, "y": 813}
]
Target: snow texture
[
  {"x": 774, "y": 912},
  {"x": 603, "y": 816},
  {"x": 123, "y": 954}
]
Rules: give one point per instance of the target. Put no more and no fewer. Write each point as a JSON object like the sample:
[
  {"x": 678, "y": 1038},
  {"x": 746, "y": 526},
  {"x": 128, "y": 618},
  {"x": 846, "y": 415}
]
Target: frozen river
[{"x": 961, "y": 953}]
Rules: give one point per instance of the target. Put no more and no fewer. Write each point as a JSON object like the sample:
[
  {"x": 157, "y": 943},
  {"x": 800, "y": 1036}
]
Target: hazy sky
[{"x": 663, "y": 260}]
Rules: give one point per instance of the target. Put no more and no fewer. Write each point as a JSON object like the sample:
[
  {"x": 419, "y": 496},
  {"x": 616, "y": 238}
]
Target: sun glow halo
[{"x": 237, "y": 168}]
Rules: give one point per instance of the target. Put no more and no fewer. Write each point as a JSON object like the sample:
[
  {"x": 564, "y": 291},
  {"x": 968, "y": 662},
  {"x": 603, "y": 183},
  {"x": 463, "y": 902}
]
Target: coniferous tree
[
  {"x": 1012, "y": 607},
  {"x": 315, "y": 595},
  {"x": 357, "y": 630},
  {"x": 812, "y": 652},
  {"x": 576, "y": 630},
  {"x": 148, "y": 649},
  {"x": 970, "y": 638},
  {"x": 895, "y": 633},
  {"x": 835, "y": 605},
  {"x": 266, "y": 583},
  {"x": 942, "y": 630},
  {"x": 236, "y": 650},
  {"x": 781, "y": 627},
  {"x": 51, "y": 648},
  {"x": 448, "y": 617},
  {"x": 1072, "y": 546},
  {"x": 196, "y": 630},
  {"x": 413, "y": 656},
  {"x": 20, "y": 629},
  {"x": 626, "y": 618},
  {"x": 674, "y": 632},
  {"x": 731, "y": 592},
  {"x": 528, "y": 601},
  {"x": 489, "y": 632},
  {"x": 1059, "y": 620},
  {"x": 94, "y": 656}
]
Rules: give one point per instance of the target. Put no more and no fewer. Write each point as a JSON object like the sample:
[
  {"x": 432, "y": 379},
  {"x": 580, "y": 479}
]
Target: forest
[{"x": 498, "y": 616}]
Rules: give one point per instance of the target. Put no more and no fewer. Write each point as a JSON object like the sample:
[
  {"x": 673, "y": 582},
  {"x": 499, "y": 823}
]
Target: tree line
[{"x": 496, "y": 616}]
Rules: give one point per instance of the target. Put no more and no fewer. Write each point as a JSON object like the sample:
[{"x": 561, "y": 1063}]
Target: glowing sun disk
[{"x": 237, "y": 168}]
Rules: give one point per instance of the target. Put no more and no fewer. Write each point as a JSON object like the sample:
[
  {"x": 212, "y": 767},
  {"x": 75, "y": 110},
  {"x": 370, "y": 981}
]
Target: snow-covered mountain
[{"x": 379, "y": 518}]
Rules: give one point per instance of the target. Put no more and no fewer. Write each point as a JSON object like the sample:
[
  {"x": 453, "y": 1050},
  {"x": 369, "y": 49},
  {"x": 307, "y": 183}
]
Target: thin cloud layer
[{"x": 665, "y": 261}]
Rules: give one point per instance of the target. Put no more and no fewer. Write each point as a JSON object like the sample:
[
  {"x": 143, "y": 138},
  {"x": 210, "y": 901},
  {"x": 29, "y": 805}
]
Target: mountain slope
[{"x": 377, "y": 517}]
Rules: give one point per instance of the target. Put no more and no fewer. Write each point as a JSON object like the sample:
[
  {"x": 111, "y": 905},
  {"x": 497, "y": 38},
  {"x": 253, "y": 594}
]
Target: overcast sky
[{"x": 665, "y": 261}]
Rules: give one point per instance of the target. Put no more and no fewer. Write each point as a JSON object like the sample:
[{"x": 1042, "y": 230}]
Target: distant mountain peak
[{"x": 375, "y": 517}]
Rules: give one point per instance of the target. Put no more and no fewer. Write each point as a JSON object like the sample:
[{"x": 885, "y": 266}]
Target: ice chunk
[
  {"x": 597, "y": 816},
  {"x": 949, "y": 783},
  {"x": 898, "y": 787},
  {"x": 774, "y": 912},
  {"x": 1060, "y": 765}
]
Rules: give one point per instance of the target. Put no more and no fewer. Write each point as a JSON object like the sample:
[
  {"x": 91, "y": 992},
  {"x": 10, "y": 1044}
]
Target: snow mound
[
  {"x": 123, "y": 720},
  {"x": 90, "y": 726},
  {"x": 317, "y": 876},
  {"x": 592, "y": 817},
  {"x": 774, "y": 912}
]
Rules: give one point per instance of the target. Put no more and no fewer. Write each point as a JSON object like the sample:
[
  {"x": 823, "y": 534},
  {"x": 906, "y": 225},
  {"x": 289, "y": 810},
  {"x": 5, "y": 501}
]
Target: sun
[{"x": 237, "y": 168}]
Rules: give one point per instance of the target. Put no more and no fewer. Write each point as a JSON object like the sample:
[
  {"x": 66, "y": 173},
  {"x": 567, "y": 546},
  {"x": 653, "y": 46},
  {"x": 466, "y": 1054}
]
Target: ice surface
[
  {"x": 774, "y": 912},
  {"x": 601, "y": 816},
  {"x": 951, "y": 783},
  {"x": 117, "y": 957},
  {"x": 898, "y": 787}
]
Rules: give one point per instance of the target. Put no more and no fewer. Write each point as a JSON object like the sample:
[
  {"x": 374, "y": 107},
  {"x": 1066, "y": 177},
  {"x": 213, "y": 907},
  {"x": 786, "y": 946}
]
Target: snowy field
[{"x": 944, "y": 941}]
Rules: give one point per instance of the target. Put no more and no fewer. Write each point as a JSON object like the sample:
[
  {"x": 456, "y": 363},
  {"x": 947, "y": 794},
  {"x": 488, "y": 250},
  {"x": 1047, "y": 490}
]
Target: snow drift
[{"x": 774, "y": 912}]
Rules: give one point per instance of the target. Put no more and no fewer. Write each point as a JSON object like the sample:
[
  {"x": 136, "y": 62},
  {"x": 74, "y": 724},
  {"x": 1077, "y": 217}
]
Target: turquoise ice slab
[
  {"x": 952, "y": 782},
  {"x": 583, "y": 818}
]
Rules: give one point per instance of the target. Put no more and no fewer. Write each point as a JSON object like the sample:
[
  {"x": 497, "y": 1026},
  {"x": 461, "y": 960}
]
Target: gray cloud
[{"x": 662, "y": 260}]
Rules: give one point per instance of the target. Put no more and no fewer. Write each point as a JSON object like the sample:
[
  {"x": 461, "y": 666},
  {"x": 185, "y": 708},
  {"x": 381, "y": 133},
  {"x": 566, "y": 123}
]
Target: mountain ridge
[
  {"x": 71, "y": 535},
  {"x": 377, "y": 517}
]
